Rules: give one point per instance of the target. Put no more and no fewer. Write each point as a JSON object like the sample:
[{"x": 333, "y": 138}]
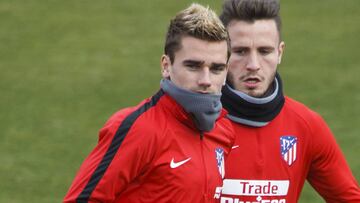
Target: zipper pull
[{"x": 201, "y": 135}]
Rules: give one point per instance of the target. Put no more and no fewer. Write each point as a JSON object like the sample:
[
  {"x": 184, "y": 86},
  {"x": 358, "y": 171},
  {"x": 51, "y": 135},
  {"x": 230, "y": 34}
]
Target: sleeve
[
  {"x": 124, "y": 151},
  {"x": 329, "y": 172}
]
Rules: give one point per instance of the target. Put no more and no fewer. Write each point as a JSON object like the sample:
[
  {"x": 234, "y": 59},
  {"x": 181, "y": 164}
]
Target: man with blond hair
[
  {"x": 279, "y": 143},
  {"x": 170, "y": 147}
]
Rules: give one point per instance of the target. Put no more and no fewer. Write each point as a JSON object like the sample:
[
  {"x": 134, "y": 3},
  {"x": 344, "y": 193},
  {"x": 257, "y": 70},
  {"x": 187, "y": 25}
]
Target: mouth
[{"x": 252, "y": 82}]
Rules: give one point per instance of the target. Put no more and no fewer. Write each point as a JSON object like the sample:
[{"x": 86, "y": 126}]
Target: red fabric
[
  {"x": 140, "y": 170},
  {"x": 318, "y": 159}
]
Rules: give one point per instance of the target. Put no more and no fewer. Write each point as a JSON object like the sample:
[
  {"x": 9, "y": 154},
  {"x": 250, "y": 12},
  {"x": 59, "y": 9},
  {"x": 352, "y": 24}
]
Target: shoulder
[
  {"x": 308, "y": 121},
  {"x": 139, "y": 118},
  {"x": 311, "y": 125},
  {"x": 297, "y": 110}
]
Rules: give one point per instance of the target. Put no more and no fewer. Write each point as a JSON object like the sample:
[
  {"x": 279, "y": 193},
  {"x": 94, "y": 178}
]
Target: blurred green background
[{"x": 66, "y": 66}]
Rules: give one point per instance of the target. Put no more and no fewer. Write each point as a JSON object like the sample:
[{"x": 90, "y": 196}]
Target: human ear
[
  {"x": 281, "y": 51},
  {"x": 165, "y": 66}
]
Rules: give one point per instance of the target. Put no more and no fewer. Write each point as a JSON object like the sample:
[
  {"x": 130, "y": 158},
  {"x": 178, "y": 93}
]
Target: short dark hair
[
  {"x": 251, "y": 10},
  {"x": 195, "y": 21}
]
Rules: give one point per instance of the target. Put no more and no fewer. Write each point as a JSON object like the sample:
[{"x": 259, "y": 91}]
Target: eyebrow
[
  {"x": 193, "y": 62},
  {"x": 216, "y": 65},
  {"x": 200, "y": 63},
  {"x": 234, "y": 48}
]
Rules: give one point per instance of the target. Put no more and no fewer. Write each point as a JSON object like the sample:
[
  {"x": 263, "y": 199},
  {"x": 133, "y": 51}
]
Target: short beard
[{"x": 270, "y": 89}]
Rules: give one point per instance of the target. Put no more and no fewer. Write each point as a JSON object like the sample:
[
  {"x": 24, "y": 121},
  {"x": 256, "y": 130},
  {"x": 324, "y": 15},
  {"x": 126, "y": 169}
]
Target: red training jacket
[
  {"x": 270, "y": 163},
  {"x": 153, "y": 153}
]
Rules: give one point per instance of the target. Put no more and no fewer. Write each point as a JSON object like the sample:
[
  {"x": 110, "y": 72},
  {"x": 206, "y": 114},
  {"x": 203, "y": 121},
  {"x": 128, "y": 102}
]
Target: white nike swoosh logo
[
  {"x": 235, "y": 146},
  {"x": 177, "y": 164}
]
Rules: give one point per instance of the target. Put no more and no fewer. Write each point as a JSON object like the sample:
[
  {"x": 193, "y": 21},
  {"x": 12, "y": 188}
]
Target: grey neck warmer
[{"x": 205, "y": 108}]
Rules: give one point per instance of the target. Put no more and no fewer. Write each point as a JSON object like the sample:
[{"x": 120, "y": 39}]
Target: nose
[
  {"x": 204, "y": 78},
  {"x": 253, "y": 63}
]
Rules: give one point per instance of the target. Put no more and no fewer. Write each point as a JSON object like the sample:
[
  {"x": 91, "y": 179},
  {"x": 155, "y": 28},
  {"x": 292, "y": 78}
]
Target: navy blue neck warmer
[{"x": 252, "y": 111}]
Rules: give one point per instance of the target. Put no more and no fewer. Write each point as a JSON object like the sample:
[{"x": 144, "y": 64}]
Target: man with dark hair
[
  {"x": 171, "y": 147},
  {"x": 279, "y": 141}
]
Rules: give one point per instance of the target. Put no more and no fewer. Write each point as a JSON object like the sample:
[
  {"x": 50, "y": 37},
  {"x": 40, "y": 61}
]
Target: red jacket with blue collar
[
  {"x": 154, "y": 153},
  {"x": 271, "y": 163}
]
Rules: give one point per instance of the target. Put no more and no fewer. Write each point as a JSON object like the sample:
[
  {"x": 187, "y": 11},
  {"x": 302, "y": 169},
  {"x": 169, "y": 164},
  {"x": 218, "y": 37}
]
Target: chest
[
  {"x": 276, "y": 151},
  {"x": 185, "y": 166},
  {"x": 194, "y": 160},
  {"x": 268, "y": 163}
]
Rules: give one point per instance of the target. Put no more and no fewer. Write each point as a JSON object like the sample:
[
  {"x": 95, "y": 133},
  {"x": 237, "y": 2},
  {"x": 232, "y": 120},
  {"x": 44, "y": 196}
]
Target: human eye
[
  {"x": 266, "y": 50},
  {"x": 192, "y": 67},
  {"x": 240, "y": 51},
  {"x": 218, "y": 68}
]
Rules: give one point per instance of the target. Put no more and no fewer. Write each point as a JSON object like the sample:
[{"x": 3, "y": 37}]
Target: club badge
[
  {"x": 288, "y": 146},
  {"x": 219, "y": 154}
]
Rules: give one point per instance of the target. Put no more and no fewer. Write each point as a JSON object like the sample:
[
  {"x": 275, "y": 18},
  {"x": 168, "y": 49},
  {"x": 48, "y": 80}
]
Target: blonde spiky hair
[
  {"x": 202, "y": 22},
  {"x": 196, "y": 21}
]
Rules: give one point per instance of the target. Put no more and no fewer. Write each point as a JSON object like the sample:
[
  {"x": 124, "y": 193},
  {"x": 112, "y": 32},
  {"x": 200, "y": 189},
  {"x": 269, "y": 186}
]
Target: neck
[
  {"x": 204, "y": 108},
  {"x": 254, "y": 111}
]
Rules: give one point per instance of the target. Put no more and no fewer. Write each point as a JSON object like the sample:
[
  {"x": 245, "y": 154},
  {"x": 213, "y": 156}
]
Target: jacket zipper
[{"x": 204, "y": 165}]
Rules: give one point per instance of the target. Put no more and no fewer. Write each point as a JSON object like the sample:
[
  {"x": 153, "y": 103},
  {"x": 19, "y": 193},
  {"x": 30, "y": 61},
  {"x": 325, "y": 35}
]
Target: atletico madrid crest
[
  {"x": 219, "y": 154},
  {"x": 288, "y": 145}
]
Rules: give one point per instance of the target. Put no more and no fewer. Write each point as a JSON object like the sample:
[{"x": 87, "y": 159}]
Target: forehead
[
  {"x": 261, "y": 31},
  {"x": 197, "y": 49}
]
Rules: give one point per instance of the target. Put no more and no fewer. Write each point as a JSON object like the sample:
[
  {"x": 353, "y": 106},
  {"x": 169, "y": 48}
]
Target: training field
[{"x": 66, "y": 66}]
